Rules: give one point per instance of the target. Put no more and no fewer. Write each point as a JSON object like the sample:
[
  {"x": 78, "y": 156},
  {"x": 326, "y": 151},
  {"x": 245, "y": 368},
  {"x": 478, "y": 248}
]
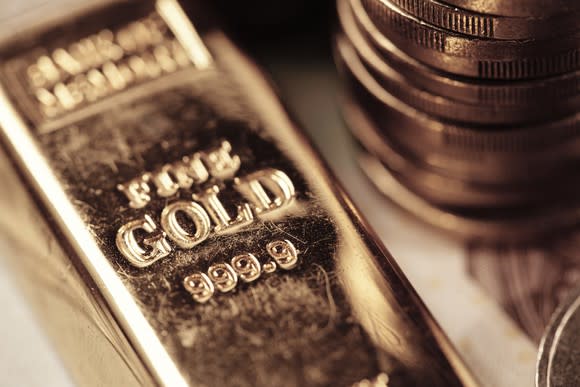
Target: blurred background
[{"x": 493, "y": 300}]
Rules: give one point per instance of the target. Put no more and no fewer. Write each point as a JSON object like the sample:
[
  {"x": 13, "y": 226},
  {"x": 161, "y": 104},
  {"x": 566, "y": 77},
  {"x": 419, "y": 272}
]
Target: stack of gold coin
[{"x": 468, "y": 112}]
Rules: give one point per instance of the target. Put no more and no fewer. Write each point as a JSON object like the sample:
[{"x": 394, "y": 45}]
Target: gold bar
[{"x": 178, "y": 229}]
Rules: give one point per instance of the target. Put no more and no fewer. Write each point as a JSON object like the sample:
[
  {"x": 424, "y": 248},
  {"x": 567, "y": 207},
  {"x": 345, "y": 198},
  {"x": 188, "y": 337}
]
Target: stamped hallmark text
[
  {"x": 260, "y": 192},
  {"x": 102, "y": 64},
  {"x": 225, "y": 276}
]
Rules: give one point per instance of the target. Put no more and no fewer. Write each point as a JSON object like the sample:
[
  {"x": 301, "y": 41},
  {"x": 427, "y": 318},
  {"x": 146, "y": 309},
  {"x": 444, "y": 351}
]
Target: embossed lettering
[
  {"x": 284, "y": 253},
  {"x": 189, "y": 223},
  {"x": 247, "y": 266},
  {"x": 218, "y": 213},
  {"x": 199, "y": 286},
  {"x": 101, "y": 64},
  {"x": 157, "y": 244},
  {"x": 137, "y": 191},
  {"x": 275, "y": 181},
  {"x": 43, "y": 73},
  {"x": 223, "y": 277},
  {"x": 66, "y": 62},
  {"x": 195, "y": 213},
  {"x": 181, "y": 174},
  {"x": 220, "y": 162}
]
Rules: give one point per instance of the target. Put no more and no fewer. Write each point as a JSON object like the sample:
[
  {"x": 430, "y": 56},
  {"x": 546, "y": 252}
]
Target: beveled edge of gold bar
[
  {"x": 53, "y": 196},
  {"x": 24, "y": 150},
  {"x": 271, "y": 107},
  {"x": 22, "y": 146},
  {"x": 183, "y": 29}
]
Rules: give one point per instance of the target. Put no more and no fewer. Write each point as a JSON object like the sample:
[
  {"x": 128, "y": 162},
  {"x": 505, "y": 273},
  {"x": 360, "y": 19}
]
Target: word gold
[{"x": 264, "y": 191}]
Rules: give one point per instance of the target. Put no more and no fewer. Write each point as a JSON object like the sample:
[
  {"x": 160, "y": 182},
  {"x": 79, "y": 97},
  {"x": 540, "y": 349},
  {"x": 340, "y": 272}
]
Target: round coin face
[{"x": 559, "y": 358}]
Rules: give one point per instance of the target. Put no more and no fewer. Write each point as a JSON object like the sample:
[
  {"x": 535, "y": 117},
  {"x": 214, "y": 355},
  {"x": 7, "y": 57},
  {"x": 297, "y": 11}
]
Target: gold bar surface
[{"x": 178, "y": 229}]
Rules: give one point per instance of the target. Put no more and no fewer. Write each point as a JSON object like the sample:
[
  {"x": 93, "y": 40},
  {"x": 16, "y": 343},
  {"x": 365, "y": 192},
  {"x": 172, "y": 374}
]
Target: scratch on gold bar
[
  {"x": 221, "y": 248},
  {"x": 121, "y": 301}
]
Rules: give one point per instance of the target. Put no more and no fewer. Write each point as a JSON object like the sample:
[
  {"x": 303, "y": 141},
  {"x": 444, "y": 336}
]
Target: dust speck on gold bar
[{"x": 102, "y": 64}]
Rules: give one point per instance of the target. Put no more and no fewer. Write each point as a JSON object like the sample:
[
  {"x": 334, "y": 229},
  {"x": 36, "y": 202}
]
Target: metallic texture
[
  {"x": 458, "y": 123},
  {"x": 484, "y": 227},
  {"x": 491, "y": 25},
  {"x": 535, "y": 93},
  {"x": 528, "y": 93},
  {"x": 455, "y": 149},
  {"x": 433, "y": 103},
  {"x": 178, "y": 228},
  {"x": 559, "y": 358},
  {"x": 518, "y": 8},
  {"x": 444, "y": 201},
  {"x": 469, "y": 56}
]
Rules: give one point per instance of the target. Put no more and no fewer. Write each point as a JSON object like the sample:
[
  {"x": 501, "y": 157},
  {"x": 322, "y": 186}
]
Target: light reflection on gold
[{"x": 146, "y": 311}]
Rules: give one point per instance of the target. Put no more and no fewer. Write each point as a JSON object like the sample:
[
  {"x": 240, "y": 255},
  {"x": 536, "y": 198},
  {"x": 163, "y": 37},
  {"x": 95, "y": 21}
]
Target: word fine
[{"x": 187, "y": 223}]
